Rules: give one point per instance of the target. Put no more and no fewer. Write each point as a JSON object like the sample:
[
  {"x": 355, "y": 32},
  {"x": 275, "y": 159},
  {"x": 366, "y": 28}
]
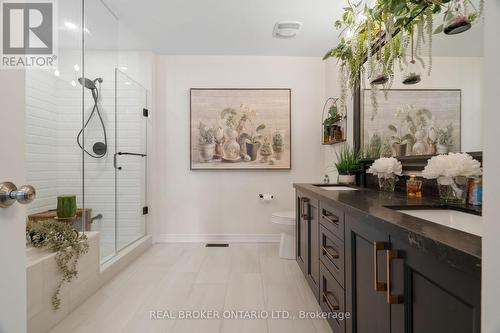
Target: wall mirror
[{"x": 433, "y": 105}]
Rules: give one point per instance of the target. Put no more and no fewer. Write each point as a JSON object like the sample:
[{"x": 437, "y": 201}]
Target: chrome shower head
[{"x": 87, "y": 83}]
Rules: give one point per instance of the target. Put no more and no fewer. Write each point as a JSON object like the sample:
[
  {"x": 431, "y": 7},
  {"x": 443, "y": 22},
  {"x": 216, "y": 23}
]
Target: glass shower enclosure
[
  {"x": 86, "y": 128},
  {"x": 130, "y": 160}
]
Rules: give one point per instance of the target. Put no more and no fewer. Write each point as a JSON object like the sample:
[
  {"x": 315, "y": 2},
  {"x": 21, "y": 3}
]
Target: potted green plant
[
  {"x": 253, "y": 141},
  {"x": 347, "y": 164},
  {"x": 206, "y": 142},
  {"x": 66, "y": 242}
]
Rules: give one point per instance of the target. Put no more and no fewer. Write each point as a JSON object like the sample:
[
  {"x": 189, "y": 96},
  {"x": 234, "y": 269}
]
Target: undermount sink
[
  {"x": 466, "y": 222},
  {"x": 336, "y": 188}
]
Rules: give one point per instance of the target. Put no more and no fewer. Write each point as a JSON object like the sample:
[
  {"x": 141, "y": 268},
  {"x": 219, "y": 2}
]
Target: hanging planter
[
  {"x": 412, "y": 75},
  {"x": 459, "y": 17},
  {"x": 457, "y": 25},
  {"x": 379, "y": 77},
  {"x": 380, "y": 80}
]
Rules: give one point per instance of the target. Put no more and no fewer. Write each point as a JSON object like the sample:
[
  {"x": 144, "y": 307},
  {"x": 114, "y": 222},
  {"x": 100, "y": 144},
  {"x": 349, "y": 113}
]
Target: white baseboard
[{"x": 212, "y": 238}]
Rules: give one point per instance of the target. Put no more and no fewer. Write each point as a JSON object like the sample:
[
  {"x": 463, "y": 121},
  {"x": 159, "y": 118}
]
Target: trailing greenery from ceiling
[{"x": 379, "y": 36}]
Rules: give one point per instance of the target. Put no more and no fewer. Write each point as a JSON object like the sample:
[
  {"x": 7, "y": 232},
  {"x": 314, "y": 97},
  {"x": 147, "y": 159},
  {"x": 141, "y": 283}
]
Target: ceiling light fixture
[{"x": 286, "y": 29}]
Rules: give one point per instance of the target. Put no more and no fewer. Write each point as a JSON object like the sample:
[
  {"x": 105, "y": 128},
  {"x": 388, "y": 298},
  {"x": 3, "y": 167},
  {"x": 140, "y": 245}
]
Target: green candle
[{"x": 66, "y": 206}]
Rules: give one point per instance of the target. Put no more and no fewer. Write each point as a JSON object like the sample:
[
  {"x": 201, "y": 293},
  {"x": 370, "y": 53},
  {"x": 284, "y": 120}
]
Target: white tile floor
[{"x": 172, "y": 277}]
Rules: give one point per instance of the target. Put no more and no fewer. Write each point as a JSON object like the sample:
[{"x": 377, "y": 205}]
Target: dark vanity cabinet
[
  {"x": 307, "y": 240},
  {"x": 394, "y": 287},
  {"x": 365, "y": 278},
  {"x": 383, "y": 277},
  {"x": 435, "y": 297}
]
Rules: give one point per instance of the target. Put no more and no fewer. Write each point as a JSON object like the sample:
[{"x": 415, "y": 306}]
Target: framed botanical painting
[
  {"x": 412, "y": 122},
  {"x": 240, "y": 129}
]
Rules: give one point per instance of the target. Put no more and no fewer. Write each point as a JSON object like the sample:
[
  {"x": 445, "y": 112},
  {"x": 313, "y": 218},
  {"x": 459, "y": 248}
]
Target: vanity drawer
[
  {"x": 332, "y": 219},
  {"x": 332, "y": 299},
  {"x": 331, "y": 253}
]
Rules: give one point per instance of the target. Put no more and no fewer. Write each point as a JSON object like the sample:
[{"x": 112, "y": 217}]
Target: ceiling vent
[{"x": 286, "y": 29}]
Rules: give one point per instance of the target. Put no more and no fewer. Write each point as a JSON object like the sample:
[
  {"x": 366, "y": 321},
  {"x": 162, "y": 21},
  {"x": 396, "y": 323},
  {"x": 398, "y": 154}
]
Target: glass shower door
[{"x": 130, "y": 160}]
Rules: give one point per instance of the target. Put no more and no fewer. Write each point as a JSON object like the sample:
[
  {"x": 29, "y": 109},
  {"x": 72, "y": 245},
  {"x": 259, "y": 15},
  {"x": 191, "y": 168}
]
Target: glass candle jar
[
  {"x": 413, "y": 187},
  {"x": 387, "y": 182}
]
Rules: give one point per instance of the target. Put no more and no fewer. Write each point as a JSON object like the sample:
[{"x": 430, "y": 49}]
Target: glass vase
[
  {"x": 453, "y": 189},
  {"x": 387, "y": 182}
]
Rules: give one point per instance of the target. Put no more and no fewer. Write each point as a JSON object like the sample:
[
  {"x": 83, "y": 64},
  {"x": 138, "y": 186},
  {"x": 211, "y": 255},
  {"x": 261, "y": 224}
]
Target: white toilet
[{"x": 286, "y": 222}]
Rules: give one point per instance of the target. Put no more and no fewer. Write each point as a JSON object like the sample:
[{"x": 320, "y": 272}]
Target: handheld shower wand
[{"x": 99, "y": 148}]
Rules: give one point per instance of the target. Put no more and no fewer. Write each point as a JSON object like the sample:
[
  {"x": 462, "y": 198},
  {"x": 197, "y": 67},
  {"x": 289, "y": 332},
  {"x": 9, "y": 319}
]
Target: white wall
[
  {"x": 491, "y": 245},
  {"x": 226, "y": 202}
]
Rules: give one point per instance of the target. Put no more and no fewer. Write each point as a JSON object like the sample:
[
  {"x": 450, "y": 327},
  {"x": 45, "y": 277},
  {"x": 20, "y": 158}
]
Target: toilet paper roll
[{"x": 266, "y": 196}]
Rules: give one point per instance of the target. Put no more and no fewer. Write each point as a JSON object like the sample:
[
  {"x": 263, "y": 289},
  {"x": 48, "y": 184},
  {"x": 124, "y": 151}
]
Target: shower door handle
[
  {"x": 114, "y": 163},
  {"x": 132, "y": 154},
  {"x": 125, "y": 153}
]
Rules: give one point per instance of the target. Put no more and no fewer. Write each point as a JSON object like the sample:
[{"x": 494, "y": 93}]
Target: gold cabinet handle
[
  {"x": 330, "y": 217},
  {"x": 330, "y": 255},
  {"x": 378, "y": 246},
  {"x": 305, "y": 216},
  {"x": 331, "y": 307},
  {"x": 392, "y": 299}
]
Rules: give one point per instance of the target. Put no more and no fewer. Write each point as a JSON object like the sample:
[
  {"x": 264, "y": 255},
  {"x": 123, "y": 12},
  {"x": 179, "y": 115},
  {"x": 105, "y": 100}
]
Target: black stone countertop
[{"x": 459, "y": 249}]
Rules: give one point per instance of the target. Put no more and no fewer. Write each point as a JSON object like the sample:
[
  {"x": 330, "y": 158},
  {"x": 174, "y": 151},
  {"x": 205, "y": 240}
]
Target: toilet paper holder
[{"x": 263, "y": 196}]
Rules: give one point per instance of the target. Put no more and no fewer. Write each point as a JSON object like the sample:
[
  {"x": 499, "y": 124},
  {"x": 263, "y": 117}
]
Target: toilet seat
[{"x": 286, "y": 218}]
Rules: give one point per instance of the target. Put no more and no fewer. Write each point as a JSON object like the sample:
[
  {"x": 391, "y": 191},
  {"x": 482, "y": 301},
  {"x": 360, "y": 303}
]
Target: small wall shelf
[
  {"x": 330, "y": 143},
  {"x": 333, "y": 123}
]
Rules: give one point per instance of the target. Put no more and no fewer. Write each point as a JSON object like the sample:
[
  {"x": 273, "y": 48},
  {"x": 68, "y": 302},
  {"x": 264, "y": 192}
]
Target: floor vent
[{"x": 216, "y": 245}]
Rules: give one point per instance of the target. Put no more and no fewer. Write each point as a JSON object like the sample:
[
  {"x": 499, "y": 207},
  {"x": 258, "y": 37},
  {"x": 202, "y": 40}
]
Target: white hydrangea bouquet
[
  {"x": 451, "y": 172},
  {"x": 386, "y": 168}
]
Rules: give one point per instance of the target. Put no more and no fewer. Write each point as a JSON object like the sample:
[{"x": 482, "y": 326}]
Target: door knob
[{"x": 9, "y": 193}]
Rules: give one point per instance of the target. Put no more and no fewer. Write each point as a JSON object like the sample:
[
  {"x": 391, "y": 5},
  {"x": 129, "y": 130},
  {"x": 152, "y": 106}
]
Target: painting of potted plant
[
  {"x": 399, "y": 141},
  {"x": 266, "y": 151},
  {"x": 347, "y": 164},
  {"x": 417, "y": 121},
  {"x": 415, "y": 117},
  {"x": 278, "y": 141},
  {"x": 206, "y": 142},
  {"x": 444, "y": 139},
  {"x": 253, "y": 141},
  {"x": 219, "y": 140},
  {"x": 230, "y": 129},
  {"x": 432, "y": 139}
]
